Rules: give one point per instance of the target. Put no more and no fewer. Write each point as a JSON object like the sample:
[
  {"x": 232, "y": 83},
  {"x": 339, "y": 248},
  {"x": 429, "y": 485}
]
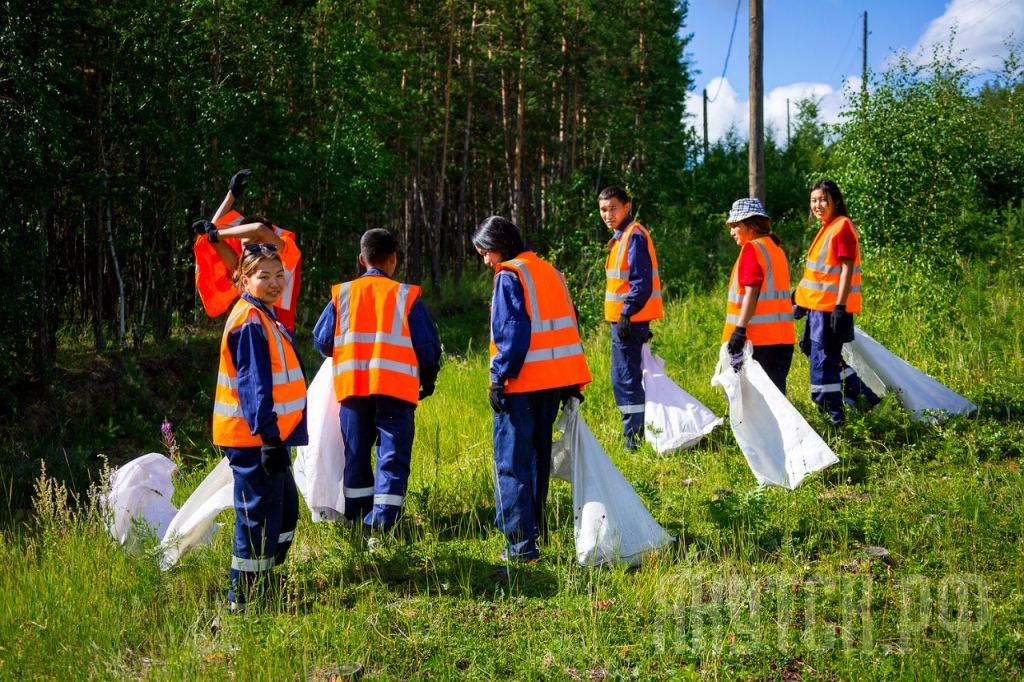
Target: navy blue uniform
[{"x": 833, "y": 382}]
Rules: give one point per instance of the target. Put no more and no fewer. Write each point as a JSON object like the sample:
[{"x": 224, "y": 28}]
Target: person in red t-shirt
[
  {"x": 829, "y": 295},
  {"x": 758, "y": 308}
]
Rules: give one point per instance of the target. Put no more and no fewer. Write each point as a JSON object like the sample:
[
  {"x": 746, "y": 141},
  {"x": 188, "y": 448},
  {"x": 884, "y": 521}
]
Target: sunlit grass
[{"x": 762, "y": 583}]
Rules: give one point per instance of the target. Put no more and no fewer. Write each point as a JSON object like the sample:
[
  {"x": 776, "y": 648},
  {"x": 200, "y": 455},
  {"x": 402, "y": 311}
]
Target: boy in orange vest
[
  {"x": 632, "y": 299},
  {"x": 386, "y": 355}
]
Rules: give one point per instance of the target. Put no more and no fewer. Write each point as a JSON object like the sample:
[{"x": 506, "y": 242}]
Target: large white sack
[
  {"x": 320, "y": 466},
  {"x": 612, "y": 526},
  {"x": 193, "y": 524},
  {"x": 780, "y": 446},
  {"x": 675, "y": 419},
  {"x": 925, "y": 398},
  {"x": 141, "y": 489}
]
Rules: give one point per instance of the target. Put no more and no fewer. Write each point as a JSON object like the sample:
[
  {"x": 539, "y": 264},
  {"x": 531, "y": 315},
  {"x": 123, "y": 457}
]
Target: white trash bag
[
  {"x": 193, "y": 525},
  {"x": 320, "y": 466},
  {"x": 141, "y": 489},
  {"x": 612, "y": 526},
  {"x": 883, "y": 372},
  {"x": 675, "y": 419},
  {"x": 780, "y": 446}
]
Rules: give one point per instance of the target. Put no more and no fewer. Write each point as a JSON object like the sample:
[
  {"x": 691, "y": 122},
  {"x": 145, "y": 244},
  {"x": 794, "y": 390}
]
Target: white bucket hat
[{"x": 745, "y": 208}]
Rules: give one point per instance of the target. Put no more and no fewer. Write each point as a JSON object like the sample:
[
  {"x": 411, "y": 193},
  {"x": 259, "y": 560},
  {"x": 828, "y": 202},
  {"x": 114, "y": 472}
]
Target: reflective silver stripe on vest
[
  {"x": 531, "y": 290},
  {"x": 286, "y": 537},
  {"x": 616, "y": 274},
  {"x": 343, "y": 321},
  {"x": 622, "y": 297},
  {"x": 767, "y": 318},
  {"x": 373, "y": 337},
  {"x": 821, "y": 286},
  {"x": 831, "y": 269},
  {"x": 400, "y": 301},
  {"x": 776, "y": 295},
  {"x": 225, "y": 380},
  {"x": 357, "y": 492},
  {"x": 393, "y": 500},
  {"x": 252, "y": 565},
  {"x": 377, "y": 363},
  {"x": 552, "y": 325},
  {"x": 631, "y": 409},
  {"x": 554, "y": 353},
  {"x": 290, "y": 406},
  {"x": 225, "y": 410},
  {"x": 826, "y": 388}
]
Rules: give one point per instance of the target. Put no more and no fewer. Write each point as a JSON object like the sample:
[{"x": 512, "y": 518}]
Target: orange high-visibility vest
[
  {"x": 555, "y": 357},
  {"x": 373, "y": 352},
  {"x": 819, "y": 287},
  {"x": 616, "y": 272},
  {"x": 289, "y": 390},
  {"x": 213, "y": 278},
  {"x": 772, "y": 321}
]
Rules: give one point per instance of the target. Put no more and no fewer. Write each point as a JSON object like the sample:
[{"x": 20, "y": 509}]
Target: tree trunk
[
  {"x": 439, "y": 208},
  {"x": 520, "y": 118},
  {"x": 460, "y": 235}
]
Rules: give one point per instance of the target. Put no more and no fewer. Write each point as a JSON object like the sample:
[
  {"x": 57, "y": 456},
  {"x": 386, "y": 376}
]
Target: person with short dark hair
[
  {"x": 632, "y": 299},
  {"x": 259, "y": 414},
  {"x": 829, "y": 295},
  {"x": 219, "y": 246},
  {"x": 386, "y": 356},
  {"x": 758, "y": 308},
  {"x": 537, "y": 362}
]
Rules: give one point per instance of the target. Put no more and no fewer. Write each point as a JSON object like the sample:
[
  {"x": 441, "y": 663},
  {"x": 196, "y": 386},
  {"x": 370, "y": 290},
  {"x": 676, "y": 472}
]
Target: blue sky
[{"x": 813, "y": 46}]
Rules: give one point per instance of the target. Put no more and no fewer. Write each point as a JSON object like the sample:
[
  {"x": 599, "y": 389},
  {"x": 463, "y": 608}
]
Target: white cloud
[
  {"x": 982, "y": 27},
  {"x": 729, "y": 111}
]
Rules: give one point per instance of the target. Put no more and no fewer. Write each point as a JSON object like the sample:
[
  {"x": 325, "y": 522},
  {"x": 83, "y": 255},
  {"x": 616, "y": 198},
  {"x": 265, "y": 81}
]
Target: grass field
[{"x": 761, "y": 584}]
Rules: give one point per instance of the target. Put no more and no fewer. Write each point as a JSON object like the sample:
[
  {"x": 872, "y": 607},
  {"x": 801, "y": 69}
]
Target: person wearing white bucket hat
[{"x": 758, "y": 309}]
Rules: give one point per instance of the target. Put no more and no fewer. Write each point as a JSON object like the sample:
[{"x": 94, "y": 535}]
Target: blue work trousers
[
  {"x": 266, "y": 512},
  {"x": 522, "y": 468},
  {"x": 390, "y": 424},
  {"x": 628, "y": 381},
  {"x": 833, "y": 382}
]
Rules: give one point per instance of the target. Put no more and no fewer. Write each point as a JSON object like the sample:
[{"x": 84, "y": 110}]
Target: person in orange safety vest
[
  {"x": 632, "y": 299},
  {"x": 829, "y": 295},
  {"x": 259, "y": 414},
  {"x": 758, "y": 309},
  {"x": 218, "y": 247},
  {"x": 537, "y": 362},
  {"x": 385, "y": 355}
]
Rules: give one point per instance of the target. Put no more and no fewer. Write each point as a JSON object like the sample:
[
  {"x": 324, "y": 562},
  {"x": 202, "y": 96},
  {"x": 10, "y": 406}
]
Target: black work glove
[
  {"x": 201, "y": 227},
  {"x": 274, "y": 456},
  {"x": 426, "y": 391},
  {"x": 496, "y": 394},
  {"x": 570, "y": 392},
  {"x": 838, "y": 320},
  {"x": 622, "y": 328},
  {"x": 239, "y": 181},
  {"x": 799, "y": 312},
  {"x": 736, "y": 340}
]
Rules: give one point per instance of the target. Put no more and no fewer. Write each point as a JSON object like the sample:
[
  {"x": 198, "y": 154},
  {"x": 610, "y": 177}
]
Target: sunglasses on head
[{"x": 260, "y": 248}]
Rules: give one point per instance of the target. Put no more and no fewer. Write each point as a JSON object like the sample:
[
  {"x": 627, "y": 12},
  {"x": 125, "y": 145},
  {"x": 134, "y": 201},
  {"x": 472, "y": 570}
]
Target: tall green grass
[{"x": 762, "y": 583}]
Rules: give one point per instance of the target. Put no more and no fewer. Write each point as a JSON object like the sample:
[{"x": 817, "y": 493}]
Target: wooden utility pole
[
  {"x": 864, "y": 57},
  {"x": 756, "y": 145},
  {"x": 705, "y": 123}
]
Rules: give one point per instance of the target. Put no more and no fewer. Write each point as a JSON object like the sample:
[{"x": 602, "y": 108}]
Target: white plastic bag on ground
[
  {"x": 925, "y": 398},
  {"x": 675, "y": 419},
  {"x": 320, "y": 466},
  {"x": 612, "y": 526},
  {"x": 780, "y": 446},
  {"x": 193, "y": 524},
  {"x": 141, "y": 489}
]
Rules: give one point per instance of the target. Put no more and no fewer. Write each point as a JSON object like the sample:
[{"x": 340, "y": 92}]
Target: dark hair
[
  {"x": 376, "y": 246},
  {"x": 759, "y": 223},
  {"x": 832, "y": 190},
  {"x": 250, "y": 259},
  {"x": 614, "y": 192},
  {"x": 246, "y": 219},
  {"x": 499, "y": 235}
]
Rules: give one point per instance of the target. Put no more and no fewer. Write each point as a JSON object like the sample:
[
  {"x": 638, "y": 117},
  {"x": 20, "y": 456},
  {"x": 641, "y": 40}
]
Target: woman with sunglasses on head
[
  {"x": 829, "y": 294},
  {"x": 220, "y": 244},
  {"x": 259, "y": 414}
]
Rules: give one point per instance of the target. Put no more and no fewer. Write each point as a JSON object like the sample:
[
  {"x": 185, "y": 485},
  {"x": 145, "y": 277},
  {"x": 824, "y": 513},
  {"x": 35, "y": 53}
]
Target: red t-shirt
[
  {"x": 844, "y": 243},
  {"x": 749, "y": 272}
]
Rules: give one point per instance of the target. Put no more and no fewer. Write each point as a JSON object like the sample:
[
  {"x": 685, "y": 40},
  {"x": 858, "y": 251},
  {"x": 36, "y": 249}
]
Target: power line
[
  {"x": 843, "y": 53},
  {"x": 728, "y": 52}
]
